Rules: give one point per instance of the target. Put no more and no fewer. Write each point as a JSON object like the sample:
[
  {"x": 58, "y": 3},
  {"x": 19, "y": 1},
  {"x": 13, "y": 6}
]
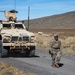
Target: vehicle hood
[{"x": 17, "y": 32}]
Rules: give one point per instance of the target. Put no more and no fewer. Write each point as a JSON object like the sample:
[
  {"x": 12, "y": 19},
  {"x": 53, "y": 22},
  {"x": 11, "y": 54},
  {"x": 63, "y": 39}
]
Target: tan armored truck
[{"x": 15, "y": 36}]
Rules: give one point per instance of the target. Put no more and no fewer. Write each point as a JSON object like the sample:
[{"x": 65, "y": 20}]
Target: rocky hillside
[{"x": 61, "y": 21}]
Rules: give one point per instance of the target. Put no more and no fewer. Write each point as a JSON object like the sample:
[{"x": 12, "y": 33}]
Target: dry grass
[
  {"x": 68, "y": 43},
  {"x": 8, "y": 69},
  {"x": 43, "y": 40}
]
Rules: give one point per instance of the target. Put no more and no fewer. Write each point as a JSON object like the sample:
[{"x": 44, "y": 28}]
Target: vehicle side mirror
[{"x": 0, "y": 29}]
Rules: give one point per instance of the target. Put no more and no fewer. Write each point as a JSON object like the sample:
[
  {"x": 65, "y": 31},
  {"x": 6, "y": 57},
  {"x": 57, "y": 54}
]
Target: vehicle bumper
[{"x": 19, "y": 45}]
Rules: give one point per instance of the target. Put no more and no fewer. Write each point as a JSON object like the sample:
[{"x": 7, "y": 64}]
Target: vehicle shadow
[
  {"x": 20, "y": 55},
  {"x": 60, "y": 64}
]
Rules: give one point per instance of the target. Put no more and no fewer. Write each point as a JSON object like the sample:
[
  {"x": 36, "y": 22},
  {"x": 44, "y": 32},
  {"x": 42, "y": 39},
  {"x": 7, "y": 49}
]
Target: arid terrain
[
  {"x": 40, "y": 64},
  {"x": 8, "y": 69},
  {"x": 62, "y": 24},
  {"x": 60, "y": 21},
  {"x": 66, "y": 36}
]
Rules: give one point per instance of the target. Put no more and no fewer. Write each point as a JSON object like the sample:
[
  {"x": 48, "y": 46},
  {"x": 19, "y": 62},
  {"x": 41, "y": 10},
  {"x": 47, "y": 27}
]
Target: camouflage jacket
[{"x": 55, "y": 45}]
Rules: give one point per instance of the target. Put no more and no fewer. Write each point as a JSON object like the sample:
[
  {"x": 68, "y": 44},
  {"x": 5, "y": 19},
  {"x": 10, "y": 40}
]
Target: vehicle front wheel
[{"x": 31, "y": 52}]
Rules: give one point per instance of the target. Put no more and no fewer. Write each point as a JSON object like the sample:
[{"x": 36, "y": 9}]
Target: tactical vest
[{"x": 56, "y": 44}]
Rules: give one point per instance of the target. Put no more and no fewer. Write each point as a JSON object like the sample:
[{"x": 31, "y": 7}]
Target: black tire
[
  {"x": 3, "y": 55},
  {"x": 31, "y": 52},
  {"x": 8, "y": 50}
]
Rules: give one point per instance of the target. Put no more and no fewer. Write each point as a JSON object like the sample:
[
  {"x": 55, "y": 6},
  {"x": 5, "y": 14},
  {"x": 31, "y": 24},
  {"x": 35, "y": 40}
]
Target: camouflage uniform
[{"x": 55, "y": 51}]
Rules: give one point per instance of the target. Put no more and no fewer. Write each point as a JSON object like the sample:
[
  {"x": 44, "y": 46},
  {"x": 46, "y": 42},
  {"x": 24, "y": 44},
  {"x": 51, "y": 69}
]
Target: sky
[{"x": 38, "y": 8}]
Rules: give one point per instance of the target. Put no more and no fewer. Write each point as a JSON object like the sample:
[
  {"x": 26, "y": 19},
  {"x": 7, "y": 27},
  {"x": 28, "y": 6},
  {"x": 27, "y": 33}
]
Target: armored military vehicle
[{"x": 15, "y": 36}]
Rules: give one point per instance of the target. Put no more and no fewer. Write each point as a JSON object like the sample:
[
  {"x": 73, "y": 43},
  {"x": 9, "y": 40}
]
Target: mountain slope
[{"x": 61, "y": 21}]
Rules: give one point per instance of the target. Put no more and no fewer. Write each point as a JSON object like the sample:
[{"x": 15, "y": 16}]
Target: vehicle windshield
[
  {"x": 7, "y": 26},
  {"x": 19, "y": 26}
]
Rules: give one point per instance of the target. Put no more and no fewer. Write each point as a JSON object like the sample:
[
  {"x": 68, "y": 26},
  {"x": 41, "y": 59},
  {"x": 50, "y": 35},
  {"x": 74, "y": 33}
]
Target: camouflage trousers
[{"x": 56, "y": 56}]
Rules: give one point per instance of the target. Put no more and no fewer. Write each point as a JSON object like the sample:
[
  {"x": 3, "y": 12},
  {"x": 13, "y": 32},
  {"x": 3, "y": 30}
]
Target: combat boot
[
  {"x": 53, "y": 65},
  {"x": 56, "y": 65}
]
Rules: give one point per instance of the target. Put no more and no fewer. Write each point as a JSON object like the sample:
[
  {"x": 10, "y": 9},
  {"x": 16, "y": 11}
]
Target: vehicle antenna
[
  {"x": 28, "y": 16},
  {"x": 15, "y": 4}
]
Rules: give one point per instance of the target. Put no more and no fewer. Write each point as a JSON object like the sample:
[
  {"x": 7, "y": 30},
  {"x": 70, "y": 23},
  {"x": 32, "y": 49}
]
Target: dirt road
[{"x": 41, "y": 64}]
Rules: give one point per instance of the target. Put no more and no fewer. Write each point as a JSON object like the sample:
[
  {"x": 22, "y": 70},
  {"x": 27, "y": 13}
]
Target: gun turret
[{"x": 10, "y": 15}]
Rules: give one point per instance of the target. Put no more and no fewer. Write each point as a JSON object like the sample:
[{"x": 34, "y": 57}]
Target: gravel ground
[{"x": 41, "y": 64}]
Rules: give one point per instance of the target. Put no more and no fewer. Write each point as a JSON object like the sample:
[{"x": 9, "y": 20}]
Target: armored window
[
  {"x": 19, "y": 26},
  {"x": 7, "y": 26}
]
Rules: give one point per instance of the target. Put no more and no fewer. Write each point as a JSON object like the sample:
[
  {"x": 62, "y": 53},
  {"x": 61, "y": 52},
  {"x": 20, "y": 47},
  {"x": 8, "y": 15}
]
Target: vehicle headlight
[
  {"x": 6, "y": 39},
  {"x": 32, "y": 39}
]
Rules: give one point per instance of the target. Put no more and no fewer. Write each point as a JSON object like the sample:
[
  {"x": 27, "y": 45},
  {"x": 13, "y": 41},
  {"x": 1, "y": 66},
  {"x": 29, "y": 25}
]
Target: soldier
[{"x": 55, "y": 51}]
